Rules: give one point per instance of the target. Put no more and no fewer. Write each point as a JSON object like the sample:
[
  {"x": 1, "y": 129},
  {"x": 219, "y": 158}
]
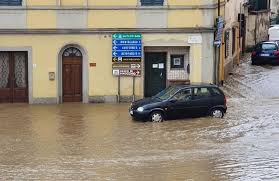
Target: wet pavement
[{"x": 101, "y": 142}]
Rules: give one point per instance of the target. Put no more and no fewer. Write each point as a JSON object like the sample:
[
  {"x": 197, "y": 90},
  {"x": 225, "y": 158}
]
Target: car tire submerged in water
[
  {"x": 217, "y": 113},
  {"x": 156, "y": 116},
  {"x": 254, "y": 63}
]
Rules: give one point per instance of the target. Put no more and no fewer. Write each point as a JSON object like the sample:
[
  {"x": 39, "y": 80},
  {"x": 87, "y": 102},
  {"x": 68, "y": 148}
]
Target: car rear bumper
[{"x": 265, "y": 60}]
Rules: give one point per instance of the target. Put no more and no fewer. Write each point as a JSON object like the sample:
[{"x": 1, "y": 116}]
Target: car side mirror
[{"x": 173, "y": 100}]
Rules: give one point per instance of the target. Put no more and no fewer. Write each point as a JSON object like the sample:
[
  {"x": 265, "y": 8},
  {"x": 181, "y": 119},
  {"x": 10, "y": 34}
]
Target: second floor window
[
  {"x": 257, "y": 5},
  {"x": 10, "y": 2},
  {"x": 152, "y": 2}
]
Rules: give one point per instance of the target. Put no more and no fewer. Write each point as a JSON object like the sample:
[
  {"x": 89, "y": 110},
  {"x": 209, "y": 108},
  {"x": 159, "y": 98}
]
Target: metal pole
[
  {"x": 118, "y": 95},
  {"x": 218, "y": 49},
  {"x": 218, "y": 7},
  {"x": 134, "y": 97},
  {"x": 240, "y": 29}
]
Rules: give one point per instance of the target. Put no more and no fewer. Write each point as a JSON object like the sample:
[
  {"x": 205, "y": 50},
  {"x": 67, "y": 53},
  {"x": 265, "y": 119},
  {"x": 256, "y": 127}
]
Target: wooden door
[
  {"x": 72, "y": 77},
  {"x": 155, "y": 72},
  {"x": 13, "y": 77}
]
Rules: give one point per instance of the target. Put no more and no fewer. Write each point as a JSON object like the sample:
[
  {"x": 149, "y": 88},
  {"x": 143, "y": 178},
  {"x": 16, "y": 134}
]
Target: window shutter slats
[
  {"x": 10, "y": 2},
  {"x": 152, "y": 2}
]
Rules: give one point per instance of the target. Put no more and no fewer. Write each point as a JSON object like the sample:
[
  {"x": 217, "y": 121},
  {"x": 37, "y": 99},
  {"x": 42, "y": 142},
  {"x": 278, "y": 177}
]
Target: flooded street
[{"x": 101, "y": 142}]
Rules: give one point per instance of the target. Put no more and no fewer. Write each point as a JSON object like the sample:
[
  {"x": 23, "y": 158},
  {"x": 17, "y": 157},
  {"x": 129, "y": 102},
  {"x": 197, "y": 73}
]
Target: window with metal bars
[
  {"x": 227, "y": 44},
  {"x": 10, "y": 2},
  {"x": 152, "y": 2}
]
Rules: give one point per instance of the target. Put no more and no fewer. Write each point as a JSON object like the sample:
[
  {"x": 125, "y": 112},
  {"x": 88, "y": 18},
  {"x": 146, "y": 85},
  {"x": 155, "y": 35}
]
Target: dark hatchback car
[
  {"x": 265, "y": 53},
  {"x": 180, "y": 101}
]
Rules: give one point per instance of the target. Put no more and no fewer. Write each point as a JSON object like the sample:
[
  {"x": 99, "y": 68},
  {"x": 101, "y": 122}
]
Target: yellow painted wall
[
  {"x": 184, "y": 2},
  {"x": 73, "y": 2},
  {"x": 196, "y": 63},
  {"x": 112, "y": 2},
  {"x": 111, "y": 19},
  {"x": 41, "y": 19},
  {"x": 41, "y": 2},
  {"x": 45, "y": 49},
  {"x": 175, "y": 22}
]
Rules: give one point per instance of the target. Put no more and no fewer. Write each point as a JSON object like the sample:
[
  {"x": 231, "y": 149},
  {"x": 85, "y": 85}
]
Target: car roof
[
  {"x": 268, "y": 42},
  {"x": 181, "y": 86}
]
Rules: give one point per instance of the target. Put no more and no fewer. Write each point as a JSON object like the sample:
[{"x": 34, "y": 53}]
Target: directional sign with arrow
[{"x": 127, "y": 53}]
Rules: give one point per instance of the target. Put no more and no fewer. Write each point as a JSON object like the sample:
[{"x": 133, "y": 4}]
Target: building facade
[
  {"x": 246, "y": 23},
  {"x": 258, "y": 21},
  {"x": 232, "y": 37},
  {"x": 274, "y": 7},
  {"x": 54, "y": 51}
]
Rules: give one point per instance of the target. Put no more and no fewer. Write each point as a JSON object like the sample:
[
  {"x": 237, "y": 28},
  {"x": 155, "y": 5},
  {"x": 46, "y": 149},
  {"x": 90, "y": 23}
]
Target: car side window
[
  {"x": 183, "y": 95},
  {"x": 216, "y": 92},
  {"x": 201, "y": 92}
]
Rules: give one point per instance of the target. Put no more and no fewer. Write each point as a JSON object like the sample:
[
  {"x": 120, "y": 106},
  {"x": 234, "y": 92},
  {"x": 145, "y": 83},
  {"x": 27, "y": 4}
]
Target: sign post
[
  {"x": 217, "y": 44},
  {"x": 126, "y": 57}
]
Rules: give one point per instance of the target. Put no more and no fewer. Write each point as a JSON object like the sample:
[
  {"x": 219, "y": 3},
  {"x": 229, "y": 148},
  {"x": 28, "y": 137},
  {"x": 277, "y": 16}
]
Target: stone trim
[
  {"x": 103, "y": 99},
  {"x": 108, "y": 30},
  {"x": 137, "y": 7},
  {"x": 111, "y": 99},
  {"x": 50, "y": 100}
]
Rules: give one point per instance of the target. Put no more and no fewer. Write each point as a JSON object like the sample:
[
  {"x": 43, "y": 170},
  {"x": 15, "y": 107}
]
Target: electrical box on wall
[{"x": 51, "y": 75}]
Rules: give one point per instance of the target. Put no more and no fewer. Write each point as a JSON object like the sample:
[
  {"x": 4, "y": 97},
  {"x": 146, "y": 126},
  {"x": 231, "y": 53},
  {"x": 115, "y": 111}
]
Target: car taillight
[
  {"x": 254, "y": 53},
  {"x": 225, "y": 100},
  {"x": 276, "y": 53}
]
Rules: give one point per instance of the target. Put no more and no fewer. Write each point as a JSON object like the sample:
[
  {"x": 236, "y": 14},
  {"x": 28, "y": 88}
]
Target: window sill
[{"x": 178, "y": 69}]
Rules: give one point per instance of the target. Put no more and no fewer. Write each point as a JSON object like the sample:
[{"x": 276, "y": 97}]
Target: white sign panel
[
  {"x": 115, "y": 72},
  {"x": 161, "y": 66},
  {"x": 195, "y": 39}
]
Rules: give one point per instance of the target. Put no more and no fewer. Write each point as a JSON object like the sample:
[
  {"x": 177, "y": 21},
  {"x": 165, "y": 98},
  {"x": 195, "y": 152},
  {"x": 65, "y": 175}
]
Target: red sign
[
  {"x": 127, "y": 72},
  {"x": 92, "y": 64}
]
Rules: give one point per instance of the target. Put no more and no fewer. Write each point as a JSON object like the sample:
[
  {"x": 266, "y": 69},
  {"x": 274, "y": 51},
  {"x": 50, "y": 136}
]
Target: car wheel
[
  {"x": 157, "y": 117},
  {"x": 217, "y": 113}
]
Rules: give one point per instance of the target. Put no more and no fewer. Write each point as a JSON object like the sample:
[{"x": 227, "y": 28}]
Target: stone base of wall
[
  {"x": 92, "y": 99},
  {"x": 228, "y": 68},
  {"x": 50, "y": 100},
  {"x": 102, "y": 99},
  {"x": 111, "y": 99}
]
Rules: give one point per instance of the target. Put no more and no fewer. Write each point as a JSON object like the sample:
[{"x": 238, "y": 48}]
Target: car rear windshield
[
  {"x": 216, "y": 91},
  {"x": 268, "y": 46}
]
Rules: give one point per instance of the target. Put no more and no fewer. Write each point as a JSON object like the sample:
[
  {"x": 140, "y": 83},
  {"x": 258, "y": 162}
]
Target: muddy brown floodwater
[{"x": 101, "y": 142}]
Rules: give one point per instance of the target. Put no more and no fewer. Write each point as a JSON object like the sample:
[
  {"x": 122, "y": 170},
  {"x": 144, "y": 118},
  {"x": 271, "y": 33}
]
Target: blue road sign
[
  {"x": 126, "y": 45},
  {"x": 126, "y": 42},
  {"x": 126, "y": 53}
]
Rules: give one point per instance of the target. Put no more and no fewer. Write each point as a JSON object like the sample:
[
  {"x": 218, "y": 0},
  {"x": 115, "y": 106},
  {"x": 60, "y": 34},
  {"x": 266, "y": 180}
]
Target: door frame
[
  {"x": 85, "y": 77},
  {"x": 29, "y": 67}
]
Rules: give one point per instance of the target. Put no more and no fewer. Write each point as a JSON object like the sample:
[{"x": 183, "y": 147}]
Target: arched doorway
[{"x": 72, "y": 75}]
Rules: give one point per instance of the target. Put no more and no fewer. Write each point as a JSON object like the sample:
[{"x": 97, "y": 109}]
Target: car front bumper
[{"x": 144, "y": 115}]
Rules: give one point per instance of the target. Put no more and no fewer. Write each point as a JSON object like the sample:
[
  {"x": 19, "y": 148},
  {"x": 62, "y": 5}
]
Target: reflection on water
[{"x": 101, "y": 142}]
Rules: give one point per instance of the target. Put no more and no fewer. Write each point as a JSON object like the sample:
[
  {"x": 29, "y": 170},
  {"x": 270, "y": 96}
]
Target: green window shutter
[
  {"x": 152, "y": 2},
  {"x": 10, "y": 2}
]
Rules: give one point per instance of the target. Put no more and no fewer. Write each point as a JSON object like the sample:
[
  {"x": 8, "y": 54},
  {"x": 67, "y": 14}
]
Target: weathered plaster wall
[{"x": 257, "y": 28}]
